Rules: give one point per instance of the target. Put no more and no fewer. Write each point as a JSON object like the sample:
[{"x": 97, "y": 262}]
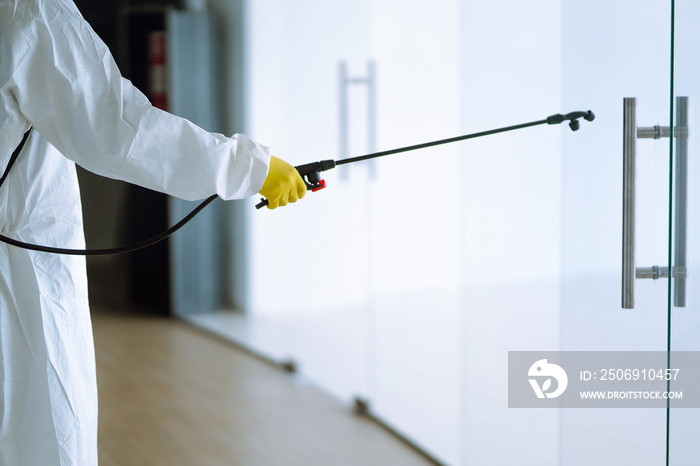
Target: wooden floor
[{"x": 172, "y": 395}]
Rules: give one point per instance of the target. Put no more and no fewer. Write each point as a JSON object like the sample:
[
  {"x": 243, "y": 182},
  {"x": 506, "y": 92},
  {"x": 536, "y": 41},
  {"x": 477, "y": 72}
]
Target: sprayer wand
[{"x": 311, "y": 172}]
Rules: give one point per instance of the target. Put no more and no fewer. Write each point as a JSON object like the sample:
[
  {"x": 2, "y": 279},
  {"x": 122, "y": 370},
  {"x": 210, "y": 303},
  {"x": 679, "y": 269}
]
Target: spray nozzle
[{"x": 573, "y": 117}]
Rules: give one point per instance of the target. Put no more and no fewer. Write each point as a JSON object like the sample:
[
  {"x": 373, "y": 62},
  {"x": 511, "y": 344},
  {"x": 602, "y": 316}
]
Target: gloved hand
[{"x": 283, "y": 184}]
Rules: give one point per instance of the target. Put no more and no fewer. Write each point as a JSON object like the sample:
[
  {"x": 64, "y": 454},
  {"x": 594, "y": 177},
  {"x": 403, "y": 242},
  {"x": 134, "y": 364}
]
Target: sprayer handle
[{"x": 311, "y": 175}]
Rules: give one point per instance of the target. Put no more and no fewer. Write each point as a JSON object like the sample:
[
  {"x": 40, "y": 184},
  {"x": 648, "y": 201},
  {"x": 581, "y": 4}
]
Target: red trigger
[{"x": 321, "y": 185}]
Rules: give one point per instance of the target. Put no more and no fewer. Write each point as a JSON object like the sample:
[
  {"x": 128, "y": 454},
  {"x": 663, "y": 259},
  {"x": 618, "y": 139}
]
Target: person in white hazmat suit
[{"x": 58, "y": 77}]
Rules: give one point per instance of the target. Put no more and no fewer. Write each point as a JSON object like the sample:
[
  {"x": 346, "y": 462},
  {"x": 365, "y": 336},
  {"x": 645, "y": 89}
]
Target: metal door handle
[
  {"x": 631, "y": 133},
  {"x": 629, "y": 174},
  {"x": 681, "y": 203},
  {"x": 345, "y": 81}
]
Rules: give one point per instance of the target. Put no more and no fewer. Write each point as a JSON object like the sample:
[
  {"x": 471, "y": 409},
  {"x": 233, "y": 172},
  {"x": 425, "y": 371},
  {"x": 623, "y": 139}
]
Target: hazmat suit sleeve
[{"x": 69, "y": 88}]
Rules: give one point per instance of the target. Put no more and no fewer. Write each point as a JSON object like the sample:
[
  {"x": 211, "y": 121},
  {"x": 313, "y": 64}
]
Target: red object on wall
[{"x": 157, "y": 74}]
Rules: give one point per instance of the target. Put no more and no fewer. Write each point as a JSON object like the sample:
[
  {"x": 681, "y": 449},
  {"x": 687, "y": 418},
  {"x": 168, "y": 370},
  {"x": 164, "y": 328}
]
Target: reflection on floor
[
  {"x": 404, "y": 359},
  {"x": 432, "y": 362},
  {"x": 172, "y": 395}
]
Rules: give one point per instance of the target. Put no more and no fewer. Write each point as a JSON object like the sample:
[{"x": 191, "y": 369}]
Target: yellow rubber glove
[{"x": 283, "y": 184}]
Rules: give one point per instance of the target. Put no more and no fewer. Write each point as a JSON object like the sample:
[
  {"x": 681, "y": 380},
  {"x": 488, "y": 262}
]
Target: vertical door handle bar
[
  {"x": 343, "y": 114},
  {"x": 681, "y": 203},
  {"x": 372, "y": 115},
  {"x": 629, "y": 155},
  {"x": 344, "y": 83}
]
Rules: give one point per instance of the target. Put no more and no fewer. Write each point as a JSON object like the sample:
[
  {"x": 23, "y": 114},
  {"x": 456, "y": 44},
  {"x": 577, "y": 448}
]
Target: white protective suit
[{"x": 57, "y": 76}]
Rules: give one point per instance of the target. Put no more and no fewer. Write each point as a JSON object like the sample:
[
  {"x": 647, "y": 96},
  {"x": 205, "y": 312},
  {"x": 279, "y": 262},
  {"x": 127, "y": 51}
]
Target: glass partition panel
[
  {"x": 684, "y": 423},
  {"x": 614, "y": 50},
  {"x": 309, "y": 262},
  {"x": 408, "y": 281},
  {"x": 414, "y": 225},
  {"x": 511, "y": 210}
]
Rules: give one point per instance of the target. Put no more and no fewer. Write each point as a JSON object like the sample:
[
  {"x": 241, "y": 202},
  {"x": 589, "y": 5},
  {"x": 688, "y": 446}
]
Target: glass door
[
  {"x": 684, "y": 319},
  {"x": 423, "y": 272},
  {"x": 613, "y": 52}
]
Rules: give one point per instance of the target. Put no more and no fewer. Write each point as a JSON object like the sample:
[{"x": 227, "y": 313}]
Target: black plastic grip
[{"x": 320, "y": 166}]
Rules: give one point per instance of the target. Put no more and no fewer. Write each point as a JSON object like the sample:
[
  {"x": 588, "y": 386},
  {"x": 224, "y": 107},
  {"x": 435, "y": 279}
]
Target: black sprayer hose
[
  {"x": 95, "y": 252},
  {"x": 120, "y": 250}
]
